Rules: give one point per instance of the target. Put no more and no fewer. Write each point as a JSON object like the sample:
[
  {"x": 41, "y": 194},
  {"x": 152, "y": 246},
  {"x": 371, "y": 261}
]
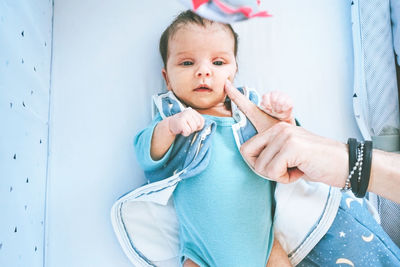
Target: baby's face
[{"x": 200, "y": 60}]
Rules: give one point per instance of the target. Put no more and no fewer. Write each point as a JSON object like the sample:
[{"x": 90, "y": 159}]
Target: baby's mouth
[{"x": 202, "y": 88}]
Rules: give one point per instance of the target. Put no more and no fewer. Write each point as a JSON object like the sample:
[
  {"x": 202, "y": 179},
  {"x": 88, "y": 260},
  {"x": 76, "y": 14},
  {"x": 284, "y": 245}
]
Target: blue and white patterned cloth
[{"x": 354, "y": 227}]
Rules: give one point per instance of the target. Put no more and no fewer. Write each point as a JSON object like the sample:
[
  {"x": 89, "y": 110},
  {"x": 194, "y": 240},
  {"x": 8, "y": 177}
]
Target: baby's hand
[
  {"x": 186, "y": 122},
  {"x": 278, "y": 105}
]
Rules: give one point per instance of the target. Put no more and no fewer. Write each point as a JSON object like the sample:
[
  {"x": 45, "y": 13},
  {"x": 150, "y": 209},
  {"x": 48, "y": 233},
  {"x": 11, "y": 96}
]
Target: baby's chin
[
  {"x": 219, "y": 108},
  {"x": 215, "y": 105}
]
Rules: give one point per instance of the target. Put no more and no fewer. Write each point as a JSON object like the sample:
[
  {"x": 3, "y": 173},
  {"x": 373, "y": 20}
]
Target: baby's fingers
[
  {"x": 280, "y": 101},
  {"x": 186, "y": 129},
  {"x": 266, "y": 103},
  {"x": 286, "y": 106},
  {"x": 194, "y": 123},
  {"x": 195, "y": 120},
  {"x": 199, "y": 121},
  {"x": 190, "y": 122}
]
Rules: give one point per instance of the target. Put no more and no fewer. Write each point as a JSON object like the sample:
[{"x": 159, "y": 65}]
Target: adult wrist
[
  {"x": 360, "y": 160},
  {"x": 363, "y": 179}
]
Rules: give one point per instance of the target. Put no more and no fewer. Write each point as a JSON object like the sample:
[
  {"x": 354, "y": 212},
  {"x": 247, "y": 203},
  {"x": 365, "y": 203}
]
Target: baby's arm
[
  {"x": 278, "y": 105},
  {"x": 184, "y": 123}
]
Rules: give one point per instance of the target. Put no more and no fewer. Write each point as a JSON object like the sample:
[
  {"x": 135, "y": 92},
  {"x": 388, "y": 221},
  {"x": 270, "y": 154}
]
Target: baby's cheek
[
  {"x": 226, "y": 74},
  {"x": 230, "y": 73}
]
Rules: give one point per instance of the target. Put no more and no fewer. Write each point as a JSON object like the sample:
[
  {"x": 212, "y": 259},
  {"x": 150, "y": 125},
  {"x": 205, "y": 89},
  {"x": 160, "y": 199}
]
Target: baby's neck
[{"x": 217, "y": 111}]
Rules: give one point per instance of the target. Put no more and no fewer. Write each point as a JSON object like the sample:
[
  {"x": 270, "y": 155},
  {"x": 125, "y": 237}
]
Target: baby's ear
[{"x": 165, "y": 75}]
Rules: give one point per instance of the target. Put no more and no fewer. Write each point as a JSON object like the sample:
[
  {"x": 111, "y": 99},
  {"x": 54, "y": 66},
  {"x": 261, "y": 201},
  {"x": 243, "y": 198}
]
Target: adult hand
[{"x": 284, "y": 152}]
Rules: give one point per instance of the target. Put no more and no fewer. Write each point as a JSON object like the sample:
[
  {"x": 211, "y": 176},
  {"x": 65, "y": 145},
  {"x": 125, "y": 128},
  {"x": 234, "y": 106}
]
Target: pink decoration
[
  {"x": 197, "y": 3},
  {"x": 247, "y": 11}
]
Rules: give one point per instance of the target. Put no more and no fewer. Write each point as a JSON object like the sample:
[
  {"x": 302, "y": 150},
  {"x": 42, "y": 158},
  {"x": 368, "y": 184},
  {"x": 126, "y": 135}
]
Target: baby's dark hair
[{"x": 185, "y": 18}]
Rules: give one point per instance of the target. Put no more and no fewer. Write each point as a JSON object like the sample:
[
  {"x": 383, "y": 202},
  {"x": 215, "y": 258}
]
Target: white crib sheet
[{"x": 106, "y": 66}]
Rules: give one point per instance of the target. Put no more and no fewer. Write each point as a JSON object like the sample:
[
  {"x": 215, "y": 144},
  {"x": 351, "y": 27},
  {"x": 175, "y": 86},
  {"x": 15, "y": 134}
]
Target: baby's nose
[{"x": 203, "y": 71}]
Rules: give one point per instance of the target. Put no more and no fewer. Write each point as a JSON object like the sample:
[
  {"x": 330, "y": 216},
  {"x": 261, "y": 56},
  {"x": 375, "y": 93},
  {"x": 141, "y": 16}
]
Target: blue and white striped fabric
[
  {"x": 379, "y": 67},
  {"x": 376, "y": 103}
]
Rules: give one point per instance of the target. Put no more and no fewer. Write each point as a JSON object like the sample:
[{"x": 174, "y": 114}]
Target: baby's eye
[
  {"x": 187, "y": 63},
  {"x": 218, "y": 62}
]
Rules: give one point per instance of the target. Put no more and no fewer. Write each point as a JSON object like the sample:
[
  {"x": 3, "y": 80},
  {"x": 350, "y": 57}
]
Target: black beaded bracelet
[
  {"x": 355, "y": 165},
  {"x": 363, "y": 181},
  {"x": 360, "y": 159},
  {"x": 353, "y": 144}
]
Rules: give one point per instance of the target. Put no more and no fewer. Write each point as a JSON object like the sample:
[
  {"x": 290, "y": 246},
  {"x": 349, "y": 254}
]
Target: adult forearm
[{"x": 385, "y": 175}]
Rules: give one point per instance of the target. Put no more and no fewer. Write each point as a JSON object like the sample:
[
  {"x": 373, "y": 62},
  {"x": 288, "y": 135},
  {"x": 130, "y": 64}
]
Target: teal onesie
[{"x": 225, "y": 212}]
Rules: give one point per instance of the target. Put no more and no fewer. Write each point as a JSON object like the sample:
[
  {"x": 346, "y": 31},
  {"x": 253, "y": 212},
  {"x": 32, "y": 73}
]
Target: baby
[{"x": 225, "y": 212}]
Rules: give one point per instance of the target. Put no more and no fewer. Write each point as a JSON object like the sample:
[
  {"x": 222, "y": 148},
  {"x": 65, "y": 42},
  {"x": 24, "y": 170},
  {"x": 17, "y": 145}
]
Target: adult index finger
[
  {"x": 266, "y": 155},
  {"x": 252, "y": 149},
  {"x": 261, "y": 120}
]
